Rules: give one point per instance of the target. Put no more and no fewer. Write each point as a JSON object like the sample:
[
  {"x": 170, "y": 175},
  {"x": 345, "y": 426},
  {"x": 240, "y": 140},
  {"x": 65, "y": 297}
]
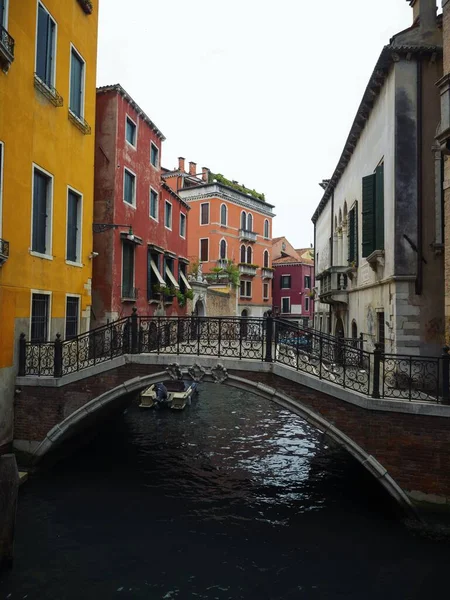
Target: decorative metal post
[
  {"x": 377, "y": 355},
  {"x": 134, "y": 332},
  {"x": 269, "y": 337},
  {"x": 57, "y": 364},
  {"x": 22, "y": 355},
  {"x": 445, "y": 375}
]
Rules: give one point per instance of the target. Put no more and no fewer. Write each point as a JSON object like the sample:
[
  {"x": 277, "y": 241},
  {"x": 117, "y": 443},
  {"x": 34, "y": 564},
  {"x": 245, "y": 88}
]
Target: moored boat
[{"x": 169, "y": 394}]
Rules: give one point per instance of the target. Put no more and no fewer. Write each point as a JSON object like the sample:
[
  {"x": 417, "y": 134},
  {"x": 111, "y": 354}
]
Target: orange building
[{"x": 228, "y": 222}]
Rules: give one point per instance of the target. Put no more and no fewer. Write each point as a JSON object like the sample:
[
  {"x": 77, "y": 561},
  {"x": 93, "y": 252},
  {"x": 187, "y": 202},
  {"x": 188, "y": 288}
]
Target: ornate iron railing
[
  {"x": 80, "y": 123},
  {"x": 48, "y": 91},
  {"x": 6, "y": 47},
  {"x": 341, "y": 362}
]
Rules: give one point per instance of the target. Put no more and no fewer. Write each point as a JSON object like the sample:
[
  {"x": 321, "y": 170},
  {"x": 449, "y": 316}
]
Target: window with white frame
[
  {"x": 42, "y": 212},
  {"x": 153, "y": 204},
  {"x": 265, "y": 291},
  {"x": 285, "y": 282},
  {"x": 223, "y": 249},
  {"x": 130, "y": 131},
  {"x": 45, "y": 46},
  {"x": 285, "y": 305},
  {"x": 129, "y": 187},
  {"x": 73, "y": 238},
  {"x": 266, "y": 229},
  {"x": 243, "y": 254},
  {"x": 182, "y": 225},
  {"x": 4, "y": 13},
  {"x": 223, "y": 215},
  {"x": 77, "y": 77},
  {"x": 168, "y": 215},
  {"x": 204, "y": 213},
  {"x": 40, "y": 317},
  {"x": 266, "y": 259},
  {"x": 245, "y": 289},
  {"x": 154, "y": 278},
  {"x": 308, "y": 282},
  {"x": 243, "y": 220},
  {"x": 204, "y": 250},
  {"x": 154, "y": 155},
  {"x": 72, "y": 317},
  {"x": 249, "y": 222},
  {"x": 306, "y": 303},
  {"x": 249, "y": 255}
]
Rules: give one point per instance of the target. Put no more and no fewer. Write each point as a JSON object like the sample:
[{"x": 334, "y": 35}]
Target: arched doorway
[
  {"x": 199, "y": 309},
  {"x": 339, "y": 328}
]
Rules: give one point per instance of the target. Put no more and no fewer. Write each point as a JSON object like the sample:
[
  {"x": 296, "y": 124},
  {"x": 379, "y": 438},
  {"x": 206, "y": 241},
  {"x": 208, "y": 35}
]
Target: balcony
[
  {"x": 247, "y": 236},
  {"x": 6, "y": 49},
  {"x": 222, "y": 263},
  {"x": 129, "y": 294},
  {"x": 4, "y": 251},
  {"x": 48, "y": 91},
  {"x": 246, "y": 269},
  {"x": 266, "y": 273},
  {"x": 333, "y": 285}
]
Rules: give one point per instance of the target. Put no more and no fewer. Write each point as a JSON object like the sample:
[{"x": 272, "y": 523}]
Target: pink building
[
  {"x": 293, "y": 282},
  {"x": 140, "y": 224}
]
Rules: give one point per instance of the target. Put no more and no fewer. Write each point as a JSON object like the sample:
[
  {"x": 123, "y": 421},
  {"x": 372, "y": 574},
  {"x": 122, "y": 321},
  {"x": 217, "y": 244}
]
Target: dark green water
[{"x": 232, "y": 498}]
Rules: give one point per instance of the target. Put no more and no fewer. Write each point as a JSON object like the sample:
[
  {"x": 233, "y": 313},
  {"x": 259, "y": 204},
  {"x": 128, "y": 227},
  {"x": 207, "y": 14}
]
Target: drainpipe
[{"x": 419, "y": 277}]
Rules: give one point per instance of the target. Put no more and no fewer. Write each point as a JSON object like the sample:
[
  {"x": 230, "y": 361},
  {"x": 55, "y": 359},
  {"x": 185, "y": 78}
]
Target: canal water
[{"x": 232, "y": 498}]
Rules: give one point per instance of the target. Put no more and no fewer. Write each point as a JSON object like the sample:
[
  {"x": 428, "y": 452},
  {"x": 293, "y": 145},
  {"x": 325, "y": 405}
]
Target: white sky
[{"x": 263, "y": 92}]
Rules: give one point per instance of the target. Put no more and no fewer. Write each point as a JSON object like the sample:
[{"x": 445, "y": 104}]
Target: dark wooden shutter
[
  {"x": 353, "y": 235},
  {"x": 76, "y": 84},
  {"x": 41, "y": 44},
  {"x": 72, "y": 227},
  {"x": 204, "y": 250},
  {"x": 368, "y": 214},
  {"x": 379, "y": 208},
  {"x": 39, "y": 213}
]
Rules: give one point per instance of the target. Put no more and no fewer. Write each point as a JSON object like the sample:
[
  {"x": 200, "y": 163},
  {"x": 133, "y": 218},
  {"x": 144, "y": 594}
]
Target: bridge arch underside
[{"x": 371, "y": 437}]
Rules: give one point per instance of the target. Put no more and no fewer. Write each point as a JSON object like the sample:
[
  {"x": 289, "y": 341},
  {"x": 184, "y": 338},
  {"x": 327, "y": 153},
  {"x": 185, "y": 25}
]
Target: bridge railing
[{"x": 326, "y": 357}]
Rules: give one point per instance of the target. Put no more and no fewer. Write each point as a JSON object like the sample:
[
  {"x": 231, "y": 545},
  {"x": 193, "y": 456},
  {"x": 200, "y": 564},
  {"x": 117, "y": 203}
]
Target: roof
[
  {"x": 119, "y": 90},
  {"x": 275, "y": 240},
  {"x": 175, "y": 195},
  {"x": 388, "y": 56},
  {"x": 262, "y": 203},
  {"x": 303, "y": 258}
]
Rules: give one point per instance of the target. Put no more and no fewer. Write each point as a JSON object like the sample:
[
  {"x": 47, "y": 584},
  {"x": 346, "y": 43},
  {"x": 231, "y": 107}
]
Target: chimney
[
  {"x": 192, "y": 168},
  {"x": 181, "y": 163},
  {"x": 205, "y": 174},
  {"x": 425, "y": 11}
]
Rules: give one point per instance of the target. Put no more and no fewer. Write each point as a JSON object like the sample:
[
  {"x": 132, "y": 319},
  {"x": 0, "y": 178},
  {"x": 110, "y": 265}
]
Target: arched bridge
[{"x": 389, "y": 412}]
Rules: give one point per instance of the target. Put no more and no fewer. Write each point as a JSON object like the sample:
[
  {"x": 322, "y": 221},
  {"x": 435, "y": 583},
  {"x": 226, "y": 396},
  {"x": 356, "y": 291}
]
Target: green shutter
[
  {"x": 379, "y": 208},
  {"x": 368, "y": 214},
  {"x": 351, "y": 236}
]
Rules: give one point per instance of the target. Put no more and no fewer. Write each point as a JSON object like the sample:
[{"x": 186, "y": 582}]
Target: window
[
  {"x": 243, "y": 220},
  {"x": 286, "y": 305},
  {"x": 353, "y": 235},
  {"x": 170, "y": 280},
  {"x": 265, "y": 291},
  {"x": 308, "y": 282},
  {"x": 306, "y": 303},
  {"x": 266, "y": 229},
  {"x": 182, "y": 225},
  {"x": 204, "y": 213},
  {"x": 3, "y": 7},
  {"x": 249, "y": 222},
  {"x": 40, "y": 313},
  {"x": 266, "y": 259},
  {"x": 223, "y": 214},
  {"x": 77, "y": 67},
  {"x": 129, "y": 187},
  {"x": 153, "y": 204},
  {"x": 285, "y": 282},
  {"x": 182, "y": 279},
  {"x": 223, "y": 249},
  {"x": 42, "y": 212},
  {"x": 243, "y": 255},
  {"x": 373, "y": 212},
  {"x": 204, "y": 250},
  {"x": 168, "y": 215},
  {"x": 154, "y": 277},
  {"x": 72, "y": 316},
  {"x": 130, "y": 131},
  {"x": 154, "y": 155},
  {"x": 73, "y": 245},
  {"x": 45, "y": 47},
  {"x": 128, "y": 270},
  {"x": 249, "y": 255},
  {"x": 246, "y": 289}
]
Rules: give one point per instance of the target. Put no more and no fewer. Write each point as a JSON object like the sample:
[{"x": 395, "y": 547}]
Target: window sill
[
  {"x": 74, "y": 264},
  {"x": 154, "y": 219},
  {"x": 128, "y": 299},
  {"x": 168, "y": 228},
  {"x": 39, "y": 255},
  {"x": 80, "y": 123},
  {"x": 49, "y": 92},
  {"x": 375, "y": 259},
  {"x": 154, "y": 301},
  {"x": 128, "y": 204},
  {"x": 131, "y": 145}
]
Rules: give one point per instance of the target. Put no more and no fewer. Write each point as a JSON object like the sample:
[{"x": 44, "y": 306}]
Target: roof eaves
[{"x": 175, "y": 195}]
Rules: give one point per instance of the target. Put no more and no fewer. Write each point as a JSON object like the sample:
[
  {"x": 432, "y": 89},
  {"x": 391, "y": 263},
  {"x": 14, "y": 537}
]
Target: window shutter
[
  {"x": 41, "y": 44},
  {"x": 368, "y": 214},
  {"x": 39, "y": 213},
  {"x": 76, "y": 84},
  {"x": 379, "y": 208},
  {"x": 72, "y": 229}
]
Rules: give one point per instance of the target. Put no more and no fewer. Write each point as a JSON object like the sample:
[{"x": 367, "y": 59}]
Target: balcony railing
[
  {"x": 4, "y": 251},
  {"x": 248, "y": 236},
  {"x": 6, "y": 49},
  {"x": 245, "y": 269},
  {"x": 48, "y": 91},
  {"x": 80, "y": 123},
  {"x": 266, "y": 273},
  {"x": 333, "y": 285},
  {"x": 222, "y": 263},
  {"x": 129, "y": 293}
]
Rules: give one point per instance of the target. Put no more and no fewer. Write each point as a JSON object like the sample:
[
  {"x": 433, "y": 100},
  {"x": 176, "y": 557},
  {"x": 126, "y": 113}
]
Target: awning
[
  {"x": 172, "y": 278},
  {"x": 156, "y": 272},
  {"x": 185, "y": 281}
]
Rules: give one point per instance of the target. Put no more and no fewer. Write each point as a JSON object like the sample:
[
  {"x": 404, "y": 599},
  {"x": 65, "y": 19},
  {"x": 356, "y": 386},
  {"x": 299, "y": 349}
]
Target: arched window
[
  {"x": 266, "y": 229},
  {"x": 223, "y": 249},
  {"x": 243, "y": 220},
  {"x": 249, "y": 255},
  {"x": 223, "y": 214},
  {"x": 242, "y": 253},
  {"x": 249, "y": 222},
  {"x": 266, "y": 259}
]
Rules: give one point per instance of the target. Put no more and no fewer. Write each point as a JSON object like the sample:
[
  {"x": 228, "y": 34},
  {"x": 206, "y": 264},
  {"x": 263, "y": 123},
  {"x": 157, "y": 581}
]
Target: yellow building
[{"x": 48, "y": 54}]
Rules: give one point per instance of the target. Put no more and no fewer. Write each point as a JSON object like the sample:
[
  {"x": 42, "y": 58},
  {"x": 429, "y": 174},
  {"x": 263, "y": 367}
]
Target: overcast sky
[{"x": 263, "y": 92}]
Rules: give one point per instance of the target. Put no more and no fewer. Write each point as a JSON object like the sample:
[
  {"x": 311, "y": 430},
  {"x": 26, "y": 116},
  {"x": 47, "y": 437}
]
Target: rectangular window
[
  {"x": 72, "y": 316},
  {"x": 204, "y": 250},
  {"x": 154, "y": 277},
  {"x": 3, "y": 13},
  {"x": 204, "y": 213},
  {"x": 73, "y": 247},
  {"x": 306, "y": 304},
  {"x": 285, "y": 305},
  {"x": 45, "y": 47},
  {"x": 182, "y": 225},
  {"x": 170, "y": 280},
  {"x": 308, "y": 282},
  {"x": 168, "y": 215},
  {"x": 128, "y": 271},
  {"x": 285, "y": 281},
  {"x": 154, "y": 155},
  {"x": 42, "y": 209},
  {"x": 265, "y": 291},
  {"x": 40, "y": 314},
  {"x": 130, "y": 132},
  {"x": 153, "y": 204},
  {"x": 76, "y": 84},
  {"x": 353, "y": 235},
  {"x": 373, "y": 212},
  {"x": 248, "y": 289},
  {"x": 129, "y": 187}
]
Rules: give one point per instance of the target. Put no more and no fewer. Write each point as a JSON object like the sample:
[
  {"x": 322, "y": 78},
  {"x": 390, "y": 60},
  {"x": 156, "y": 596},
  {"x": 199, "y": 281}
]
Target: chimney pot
[
  {"x": 181, "y": 163},
  {"x": 192, "y": 168}
]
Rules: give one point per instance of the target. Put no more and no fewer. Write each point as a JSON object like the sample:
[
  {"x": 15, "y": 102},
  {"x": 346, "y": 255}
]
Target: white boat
[{"x": 171, "y": 394}]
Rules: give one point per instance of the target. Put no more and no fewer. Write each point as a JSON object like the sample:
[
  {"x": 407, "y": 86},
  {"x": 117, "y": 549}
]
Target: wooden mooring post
[{"x": 9, "y": 485}]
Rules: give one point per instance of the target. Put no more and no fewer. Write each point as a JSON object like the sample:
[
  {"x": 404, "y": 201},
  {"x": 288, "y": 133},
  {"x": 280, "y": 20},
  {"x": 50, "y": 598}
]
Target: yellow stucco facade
[{"x": 39, "y": 134}]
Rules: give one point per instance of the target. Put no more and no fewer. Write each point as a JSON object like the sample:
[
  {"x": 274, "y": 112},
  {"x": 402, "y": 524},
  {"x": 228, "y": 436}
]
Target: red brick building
[
  {"x": 293, "y": 282},
  {"x": 140, "y": 223}
]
